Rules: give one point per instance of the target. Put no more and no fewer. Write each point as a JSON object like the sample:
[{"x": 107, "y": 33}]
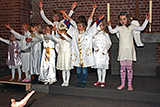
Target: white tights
[
  {"x": 19, "y": 72},
  {"x": 101, "y": 75},
  {"x": 66, "y": 76}
]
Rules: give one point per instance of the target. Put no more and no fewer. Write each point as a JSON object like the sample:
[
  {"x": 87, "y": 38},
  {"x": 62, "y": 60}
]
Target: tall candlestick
[
  {"x": 108, "y": 12},
  {"x": 150, "y": 11},
  {"x": 150, "y": 15}
]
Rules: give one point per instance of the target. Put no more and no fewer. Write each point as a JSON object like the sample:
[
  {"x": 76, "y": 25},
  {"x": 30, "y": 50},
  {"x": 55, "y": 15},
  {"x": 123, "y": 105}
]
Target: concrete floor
[{"x": 8, "y": 91}]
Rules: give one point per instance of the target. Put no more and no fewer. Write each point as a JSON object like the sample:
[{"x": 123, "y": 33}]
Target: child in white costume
[
  {"x": 47, "y": 69},
  {"x": 14, "y": 58},
  {"x": 82, "y": 56},
  {"x": 101, "y": 44},
  {"x": 64, "y": 53},
  {"x": 25, "y": 49},
  {"x": 36, "y": 54},
  {"x": 127, "y": 52}
]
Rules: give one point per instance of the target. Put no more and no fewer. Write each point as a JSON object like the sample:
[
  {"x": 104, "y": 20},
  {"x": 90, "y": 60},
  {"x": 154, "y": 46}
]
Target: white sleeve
[
  {"x": 112, "y": 31},
  {"x": 52, "y": 37},
  {"x": 16, "y": 34},
  {"x": 70, "y": 13},
  {"x": 93, "y": 29},
  {"x": 45, "y": 18},
  {"x": 4, "y": 40},
  {"x": 109, "y": 43},
  {"x": 71, "y": 31},
  {"x": 67, "y": 38},
  {"x": 141, "y": 28},
  {"x": 73, "y": 23},
  {"x": 89, "y": 23},
  {"x": 37, "y": 35}
]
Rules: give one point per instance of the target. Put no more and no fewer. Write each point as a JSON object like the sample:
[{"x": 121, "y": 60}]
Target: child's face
[
  {"x": 48, "y": 30},
  {"x": 123, "y": 20},
  {"x": 101, "y": 26},
  {"x": 36, "y": 29},
  {"x": 44, "y": 31},
  {"x": 55, "y": 18},
  {"x": 80, "y": 27},
  {"x": 12, "y": 38}
]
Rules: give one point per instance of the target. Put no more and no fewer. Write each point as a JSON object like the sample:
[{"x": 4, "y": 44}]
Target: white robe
[
  {"x": 102, "y": 43},
  {"x": 86, "y": 44},
  {"x": 47, "y": 69}
]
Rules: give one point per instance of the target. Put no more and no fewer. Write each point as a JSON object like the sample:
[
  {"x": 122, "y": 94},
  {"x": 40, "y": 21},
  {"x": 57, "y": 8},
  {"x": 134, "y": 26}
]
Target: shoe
[
  {"x": 66, "y": 84},
  {"x": 50, "y": 83},
  {"x": 24, "y": 80},
  {"x": 97, "y": 83},
  {"x": 63, "y": 84},
  {"x": 130, "y": 88},
  {"x": 103, "y": 84},
  {"x": 78, "y": 84},
  {"x": 45, "y": 83},
  {"x": 28, "y": 80},
  {"x": 12, "y": 79},
  {"x": 19, "y": 79},
  {"x": 83, "y": 85},
  {"x": 120, "y": 87}
]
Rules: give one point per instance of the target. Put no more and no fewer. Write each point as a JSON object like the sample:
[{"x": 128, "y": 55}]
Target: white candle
[
  {"x": 150, "y": 11},
  {"x": 108, "y": 12}
]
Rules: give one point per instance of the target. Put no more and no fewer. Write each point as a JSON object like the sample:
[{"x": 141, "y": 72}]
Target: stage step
[{"x": 145, "y": 89}]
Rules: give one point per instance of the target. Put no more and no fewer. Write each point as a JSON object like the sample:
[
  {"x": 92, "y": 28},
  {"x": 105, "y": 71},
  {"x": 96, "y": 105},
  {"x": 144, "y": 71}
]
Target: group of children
[{"x": 79, "y": 45}]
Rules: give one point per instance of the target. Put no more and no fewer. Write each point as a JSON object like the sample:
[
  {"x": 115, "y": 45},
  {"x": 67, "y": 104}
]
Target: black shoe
[
  {"x": 83, "y": 85},
  {"x": 78, "y": 84}
]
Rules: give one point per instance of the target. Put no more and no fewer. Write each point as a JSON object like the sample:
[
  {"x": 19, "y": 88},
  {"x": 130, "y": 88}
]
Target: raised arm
[
  {"x": 70, "y": 20},
  {"x": 91, "y": 17},
  {"x": 43, "y": 15},
  {"x": 111, "y": 30},
  {"x": 4, "y": 40},
  {"x": 17, "y": 35},
  {"x": 93, "y": 29},
  {"x": 141, "y": 28}
]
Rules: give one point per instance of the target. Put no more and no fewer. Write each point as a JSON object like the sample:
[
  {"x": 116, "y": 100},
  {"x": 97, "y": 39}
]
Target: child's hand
[
  {"x": 147, "y": 16},
  {"x": 94, "y": 6},
  {"x": 101, "y": 17},
  {"x": 74, "y": 5},
  {"x": 28, "y": 40},
  {"x": 96, "y": 50},
  {"x": 103, "y": 53},
  {"x": 59, "y": 32},
  {"x": 8, "y": 26},
  {"x": 32, "y": 28},
  {"x": 54, "y": 28},
  {"x": 40, "y": 4},
  {"x": 109, "y": 23},
  {"x": 63, "y": 11},
  {"x": 16, "y": 51}
]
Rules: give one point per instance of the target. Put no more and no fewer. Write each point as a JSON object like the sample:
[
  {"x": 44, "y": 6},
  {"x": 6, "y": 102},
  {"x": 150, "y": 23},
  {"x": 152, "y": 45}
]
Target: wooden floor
[{"x": 6, "y": 80}]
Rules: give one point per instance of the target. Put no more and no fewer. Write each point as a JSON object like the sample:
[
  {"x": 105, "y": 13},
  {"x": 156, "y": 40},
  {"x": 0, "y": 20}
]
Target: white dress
[
  {"x": 102, "y": 43},
  {"x": 126, "y": 44},
  {"x": 47, "y": 69},
  {"x": 64, "y": 53},
  {"x": 25, "y": 49}
]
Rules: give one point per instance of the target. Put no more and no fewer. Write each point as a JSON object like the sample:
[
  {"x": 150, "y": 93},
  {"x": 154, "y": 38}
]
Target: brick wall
[
  {"x": 16, "y": 12},
  {"x": 13, "y": 12}
]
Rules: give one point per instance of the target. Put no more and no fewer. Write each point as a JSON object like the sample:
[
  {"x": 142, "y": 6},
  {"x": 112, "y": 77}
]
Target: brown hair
[{"x": 125, "y": 13}]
